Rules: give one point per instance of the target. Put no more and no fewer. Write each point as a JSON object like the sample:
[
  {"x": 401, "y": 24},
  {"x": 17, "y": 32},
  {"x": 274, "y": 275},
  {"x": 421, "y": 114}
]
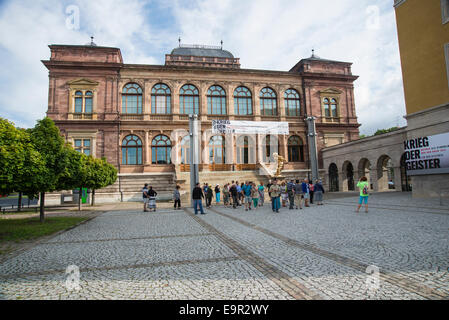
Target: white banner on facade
[
  {"x": 249, "y": 127},
  {"x": 427, "y": 155}
]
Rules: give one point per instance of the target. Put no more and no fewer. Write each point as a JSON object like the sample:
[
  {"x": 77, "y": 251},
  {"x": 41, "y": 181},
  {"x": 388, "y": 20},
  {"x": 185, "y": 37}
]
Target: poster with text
[
  {"x": 249, "y": 127},
  {"x": 427, "y": 155}
]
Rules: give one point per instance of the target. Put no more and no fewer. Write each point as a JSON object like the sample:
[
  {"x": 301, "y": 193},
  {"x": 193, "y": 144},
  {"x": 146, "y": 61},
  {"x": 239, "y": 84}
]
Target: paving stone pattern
[{"x": 321, "y": 252}]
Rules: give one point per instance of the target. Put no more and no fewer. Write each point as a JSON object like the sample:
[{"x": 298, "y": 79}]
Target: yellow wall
[{"x": 421, "y": 41}]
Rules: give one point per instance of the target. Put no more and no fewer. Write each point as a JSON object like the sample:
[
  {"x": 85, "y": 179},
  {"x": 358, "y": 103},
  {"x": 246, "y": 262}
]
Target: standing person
[
  {"x": 226, "y": 195},
  {"x": 239, "y": 193},
  {"x": 284, "y": 195},
  {"x": 306, "y": 192},
  {"x": 261, "y": 190},
  {"x": 145, "y": 197},
  {"x": 177, "y": 197},
  {"x": 311, "y": 191},
  {"x": 298, "y": 195},
  {"x": 318, "y": 191},
  {"x": 234, "y": 194},
  {"x": 246, "y": 190},
  {"x": 209, "y": 196},
  {"x": 197, "y": 195},
  {"x": 291, "y": 194},
  {"x": 255, "y": 195},
  {"x": 275, "y": 192},
  {"x": 269, "y": 193},
  {"x": 217, "y": 194},
  {"x": 364, "y": 193},
  {"x": 152, "y": 198}
]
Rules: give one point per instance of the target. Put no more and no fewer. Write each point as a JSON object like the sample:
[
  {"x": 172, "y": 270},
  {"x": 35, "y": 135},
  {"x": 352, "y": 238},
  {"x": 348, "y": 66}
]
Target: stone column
[
  {"x": 397, "y": 179},
  {"x": 203, "y": 100},
  {"x": 175, "y": 101},
  {"x": 373, "y": 179},
  {"x": 147, "y": 148},
  {"x": 146, "y": 100}
]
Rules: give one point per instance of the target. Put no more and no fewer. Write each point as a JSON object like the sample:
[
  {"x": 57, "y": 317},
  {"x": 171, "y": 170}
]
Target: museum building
[{"x": 137, "y": 116}]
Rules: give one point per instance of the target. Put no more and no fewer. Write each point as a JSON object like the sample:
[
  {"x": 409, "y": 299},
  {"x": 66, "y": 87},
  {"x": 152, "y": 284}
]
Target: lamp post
[
  {"x": 311, "y": 136},
  {"x": 194, "y": 153}
]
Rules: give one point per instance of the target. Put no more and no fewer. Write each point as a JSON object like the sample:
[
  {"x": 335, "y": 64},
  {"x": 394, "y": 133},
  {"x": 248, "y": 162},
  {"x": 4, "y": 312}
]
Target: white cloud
[{"x": 265, "y": 34}]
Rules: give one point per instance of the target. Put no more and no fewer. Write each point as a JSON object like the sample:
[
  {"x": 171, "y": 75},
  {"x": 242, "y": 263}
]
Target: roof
[{"x": 202, "y": 51}]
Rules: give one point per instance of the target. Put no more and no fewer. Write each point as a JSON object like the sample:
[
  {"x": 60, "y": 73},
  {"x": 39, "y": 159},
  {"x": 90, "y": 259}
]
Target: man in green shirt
[{"x": 364, "y": 193}]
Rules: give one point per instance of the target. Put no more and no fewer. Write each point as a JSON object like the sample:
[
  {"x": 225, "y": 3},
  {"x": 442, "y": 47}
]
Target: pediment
[
  {"x": 330, "y": 91},
  {"x": 82, "y": 82}
]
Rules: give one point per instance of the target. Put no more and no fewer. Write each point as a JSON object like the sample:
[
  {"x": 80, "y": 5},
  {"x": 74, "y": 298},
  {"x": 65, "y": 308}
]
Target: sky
[{"x": 264, "y": 34}]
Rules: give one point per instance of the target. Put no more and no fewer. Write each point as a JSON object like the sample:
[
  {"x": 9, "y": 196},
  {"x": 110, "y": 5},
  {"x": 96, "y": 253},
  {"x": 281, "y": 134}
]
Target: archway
[
  {"x": 333, "y": 177},
  {"x": 406, "y": 184},
  {"x": 348, "y": 175},
  {"x": 385, "y": 173},
  {"x": 364, "y": 170}
]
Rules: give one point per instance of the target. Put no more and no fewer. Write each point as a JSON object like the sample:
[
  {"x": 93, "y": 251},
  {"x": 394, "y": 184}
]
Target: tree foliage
[{"x": 21, "y": 164}]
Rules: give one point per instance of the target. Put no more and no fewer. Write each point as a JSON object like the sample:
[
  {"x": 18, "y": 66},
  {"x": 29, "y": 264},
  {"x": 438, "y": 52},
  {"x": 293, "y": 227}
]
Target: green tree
[
  {"x": 100, "y": 174},
  {"x": 382, "y": 131},
  {"x": 21, "y": 164},
  {"x": 46, "y": 138}
]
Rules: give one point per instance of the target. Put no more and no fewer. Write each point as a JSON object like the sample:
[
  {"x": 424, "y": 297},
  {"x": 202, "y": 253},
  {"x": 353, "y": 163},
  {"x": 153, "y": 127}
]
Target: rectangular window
[
  {"x": 88, "y": 106},
  {"x": 78, "y": 105},
  {"x": 83, "y": 146},
  {"x": 445, "y": 11}
]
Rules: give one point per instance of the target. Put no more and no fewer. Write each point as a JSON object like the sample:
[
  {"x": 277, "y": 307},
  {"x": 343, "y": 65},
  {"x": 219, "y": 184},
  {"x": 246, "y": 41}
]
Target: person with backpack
[
  {"x": 306, "y": 192},
  {"x": 319, "y": 191},
  {"x": 364, "y": 193},
  {"x": 177, "y": 197},
  {"x": 298, "y": 195},
  {"x": 145, "y": 197},
  {"x": 311, "y": 191},
  {"x": 254, "y": 195},
  {"x": 291, "y": 194},
  {"x": 226, "y": 195},
  {"x": 209, "y": 196},
  {"x": 234, "y": 194},
  {"x": 261, "y": 190}
]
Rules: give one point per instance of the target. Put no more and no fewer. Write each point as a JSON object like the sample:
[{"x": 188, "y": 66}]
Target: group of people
[
  {"x": 251, "y": 195},
  {"x": 294, "y": 194}
]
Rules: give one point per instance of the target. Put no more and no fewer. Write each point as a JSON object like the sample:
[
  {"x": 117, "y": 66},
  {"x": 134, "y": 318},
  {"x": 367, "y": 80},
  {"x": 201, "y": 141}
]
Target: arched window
[
  {"x": 83, "y": 101},
  {"x": 292, "y": 103},
  {"x": 268, "y": 104},
  {"x": 216, "y": 100},
  {"x": 189, "y": 100},
  {"x": 327, "y": 108},
  {"x": 295, "y": 149},
  {"x": 161, "y": 99},
  {"x": 245, "y": 150},
  {"x": 217, "y": 150},
  {"x": 185, "y": 150},
  {"x": 132, "y": 99},
  {"x": 132, "y": 150},
  {"x": 330, "y": 108},
  {"x": 161, "y": 150},
  {"x": 271, "y": 146},
  {"x": 334, "y": 112},
  {"x": 243, "y": 101}
]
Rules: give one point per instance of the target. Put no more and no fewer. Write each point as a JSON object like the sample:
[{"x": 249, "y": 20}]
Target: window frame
[
  {"x": 211, "y": 98},
  {"x": 167, "y": 147},
  {"x": 125, "y": 95},
  {"x": 138, "y": 147},
  {"x": 264, "y": 99},
  {"x": 238, "y": 99},
  {"x": 291, "y": 146},
  {"x": 154, "y": 99},
  {"x": 296, "y": 99},
  {"x": 84, "y": 96},
  {"x": 195, "y": 99},
  {"x": 212, "y": 145}
]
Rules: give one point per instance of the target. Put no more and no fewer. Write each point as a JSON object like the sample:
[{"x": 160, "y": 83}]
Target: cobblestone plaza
[{"x": 321, "y": 252}]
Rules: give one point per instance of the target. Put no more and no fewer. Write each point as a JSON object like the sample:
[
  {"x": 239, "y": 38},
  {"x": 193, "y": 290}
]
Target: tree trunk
[
  {"x": 19, "y": 202},
  {"x": 42, "y": 207},
  {"x": 93, "y": 197},
  {"x": 79, "y": 199}
]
